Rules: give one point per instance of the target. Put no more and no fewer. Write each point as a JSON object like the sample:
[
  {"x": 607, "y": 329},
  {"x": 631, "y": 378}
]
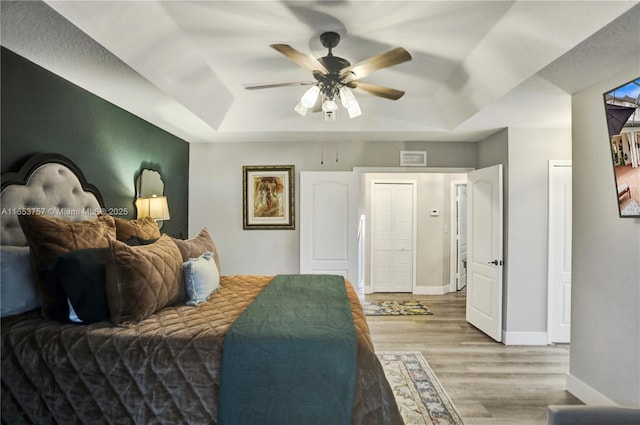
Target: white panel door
[
  {"x": 392, "y": 244},
  {"x": 559, "y": 264},
  {"x": 329, "y": 224},
  {"x": 484, "y": 254}
]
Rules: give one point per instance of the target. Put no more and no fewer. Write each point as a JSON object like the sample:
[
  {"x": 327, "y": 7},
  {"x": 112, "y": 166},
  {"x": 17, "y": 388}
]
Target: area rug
[
  {"x": 394, "y": 308},
  {"x": 420, "y": 396}
]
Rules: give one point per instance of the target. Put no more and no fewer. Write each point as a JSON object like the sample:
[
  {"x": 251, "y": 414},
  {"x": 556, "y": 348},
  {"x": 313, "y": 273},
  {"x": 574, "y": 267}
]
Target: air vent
[{"x": 413, "y": 158}]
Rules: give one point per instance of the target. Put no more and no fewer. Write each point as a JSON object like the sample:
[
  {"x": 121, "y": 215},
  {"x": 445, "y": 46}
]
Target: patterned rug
[
  {"x": 394, "y": 308},
  {"x": 419, "y": 394}
]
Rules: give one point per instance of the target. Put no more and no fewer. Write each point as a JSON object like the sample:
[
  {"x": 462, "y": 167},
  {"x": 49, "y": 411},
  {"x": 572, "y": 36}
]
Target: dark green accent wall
[{"x": 42, "y": 112}]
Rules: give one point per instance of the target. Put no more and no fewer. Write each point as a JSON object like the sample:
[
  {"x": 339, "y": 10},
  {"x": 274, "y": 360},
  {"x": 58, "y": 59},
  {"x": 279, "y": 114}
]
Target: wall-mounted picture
[
  {"x": 623, "y": 121},
  {"x": 268, "y": 196}
]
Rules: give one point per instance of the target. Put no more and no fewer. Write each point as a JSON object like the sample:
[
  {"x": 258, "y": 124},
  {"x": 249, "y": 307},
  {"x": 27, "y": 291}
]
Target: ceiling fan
[{"x": 335, "y": 76}]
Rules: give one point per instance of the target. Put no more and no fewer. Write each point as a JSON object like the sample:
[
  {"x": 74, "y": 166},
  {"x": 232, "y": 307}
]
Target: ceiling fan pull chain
[
  {"x": 337, "y": 144},
  {"x": 322, "y": 149}
]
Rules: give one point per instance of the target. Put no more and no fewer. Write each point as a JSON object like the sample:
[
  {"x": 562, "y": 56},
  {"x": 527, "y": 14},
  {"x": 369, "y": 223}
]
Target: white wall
[
  {"x": 529, "y": 153},
  {"x": 605, "y": 318},
  {"x": 215, "y": 191},
  {"x": 525, "y": 154}
]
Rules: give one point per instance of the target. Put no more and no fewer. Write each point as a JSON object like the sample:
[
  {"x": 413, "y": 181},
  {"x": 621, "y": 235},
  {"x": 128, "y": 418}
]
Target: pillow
[
  {"x": 141, "y": 280},
  {"x": 201, "y": 278},
  {"x": 197, "y": 246},
  {"x": 136, "y": 241},
  {"x": 81, "y": 275},
  {"x": 144, "y": 228},
  {"x": 18, "y": 293},
  {"x": 50, "y": 237}
]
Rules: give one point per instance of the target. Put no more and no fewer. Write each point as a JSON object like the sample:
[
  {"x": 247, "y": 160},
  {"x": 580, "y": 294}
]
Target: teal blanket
[{"x": 290, "y": 358}]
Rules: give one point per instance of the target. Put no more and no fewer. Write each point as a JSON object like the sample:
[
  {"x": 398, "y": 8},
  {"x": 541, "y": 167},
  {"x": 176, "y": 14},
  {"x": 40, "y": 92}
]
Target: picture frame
[
  {"x": 268, "y": 197},
  {"x": 623, "y": 124}
]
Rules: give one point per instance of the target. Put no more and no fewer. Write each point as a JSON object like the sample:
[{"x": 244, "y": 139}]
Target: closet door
[{"x": 393, "y": 236}]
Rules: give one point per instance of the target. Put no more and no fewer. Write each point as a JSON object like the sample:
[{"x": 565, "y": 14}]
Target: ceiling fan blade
[
  {"x": 269, "y": 86},
  {"x": 377, "y": 90},
  {"x": 305, "y": 61},
  {"x": 383, "y": 60}
]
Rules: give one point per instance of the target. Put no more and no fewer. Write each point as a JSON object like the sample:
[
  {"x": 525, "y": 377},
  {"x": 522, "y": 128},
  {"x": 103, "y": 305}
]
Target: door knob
[{"x": 495, "y": 262}]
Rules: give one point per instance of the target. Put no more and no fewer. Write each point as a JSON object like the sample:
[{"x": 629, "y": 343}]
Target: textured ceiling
[{"x": 477, "y": 66}]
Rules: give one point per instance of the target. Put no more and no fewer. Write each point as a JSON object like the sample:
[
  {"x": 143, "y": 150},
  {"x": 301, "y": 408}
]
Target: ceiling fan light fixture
[
  {"x": 329, "y": 115},
  {"x": 330, "y": 106},
  {"x": 346, "y": 97},
  {"x": 310, "y": 97},
  {"x": 354, "y": 110},
  {"x": 301, "y": 109},
  {"x": 349, "y": 102}
]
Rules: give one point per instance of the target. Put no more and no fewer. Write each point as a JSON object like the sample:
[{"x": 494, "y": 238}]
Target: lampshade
[{"x": 155, "y": 207}]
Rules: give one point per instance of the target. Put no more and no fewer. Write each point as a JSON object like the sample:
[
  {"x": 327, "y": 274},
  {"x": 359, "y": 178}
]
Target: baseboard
[
  {"x": 431, "y": 290},
  {"x": 524, "y": 338},
  {"x": 586, "y": 393},
  {"x": 419, "y": 290}
]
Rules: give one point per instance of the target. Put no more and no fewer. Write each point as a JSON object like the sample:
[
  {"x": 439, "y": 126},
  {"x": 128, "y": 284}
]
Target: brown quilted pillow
[
  {"x": 141, "y": 280},
  {"x": 50, "y": 237},
  {"x": 144, "y": 228},
  {"x": 193, "y": 248}
]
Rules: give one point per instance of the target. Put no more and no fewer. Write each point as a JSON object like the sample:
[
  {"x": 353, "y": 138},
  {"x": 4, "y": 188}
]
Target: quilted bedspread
[{"x": 164, "y": 370}]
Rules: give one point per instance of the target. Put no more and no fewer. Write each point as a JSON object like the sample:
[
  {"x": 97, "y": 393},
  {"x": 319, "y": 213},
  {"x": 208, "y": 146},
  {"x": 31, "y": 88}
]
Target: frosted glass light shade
[
  {"x": 310, "y": 97},
  {"x": 301, "y": 109},
  {"x": 329, "y": 105},
  {"x": 349, "y": 102}
]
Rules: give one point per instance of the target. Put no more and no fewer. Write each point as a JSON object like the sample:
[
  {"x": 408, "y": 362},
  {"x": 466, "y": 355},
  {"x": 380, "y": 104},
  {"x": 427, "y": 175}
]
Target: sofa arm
[{"x": 592, "y": 415}]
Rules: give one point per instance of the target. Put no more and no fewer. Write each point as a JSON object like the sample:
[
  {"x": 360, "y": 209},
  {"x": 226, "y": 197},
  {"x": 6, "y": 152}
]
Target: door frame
[
  {"x": 552, "y": 251},
  {"x": 454, "y": 251},
  {"x": 414, "y": 236}
]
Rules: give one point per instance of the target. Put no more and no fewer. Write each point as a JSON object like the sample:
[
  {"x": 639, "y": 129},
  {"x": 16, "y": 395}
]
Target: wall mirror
[
  {"x": 149, "y": 183},
  {"x": 150, "y": 199}
]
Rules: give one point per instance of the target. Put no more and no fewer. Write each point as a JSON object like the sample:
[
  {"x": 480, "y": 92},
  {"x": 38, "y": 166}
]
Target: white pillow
[
  {"x": 201, "y": 277},
  {"x": 18, "y": 293}
]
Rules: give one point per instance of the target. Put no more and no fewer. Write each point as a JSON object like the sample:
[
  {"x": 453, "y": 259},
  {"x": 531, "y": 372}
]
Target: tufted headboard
[{"x": 49, "y": 184}]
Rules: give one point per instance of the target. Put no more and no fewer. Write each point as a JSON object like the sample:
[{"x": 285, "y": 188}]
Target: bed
[{"x": 162, "y": 365}]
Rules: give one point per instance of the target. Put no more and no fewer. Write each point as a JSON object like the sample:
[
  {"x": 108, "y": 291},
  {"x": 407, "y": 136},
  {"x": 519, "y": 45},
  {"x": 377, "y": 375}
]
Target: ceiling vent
[{"x": 413, "y": 158}]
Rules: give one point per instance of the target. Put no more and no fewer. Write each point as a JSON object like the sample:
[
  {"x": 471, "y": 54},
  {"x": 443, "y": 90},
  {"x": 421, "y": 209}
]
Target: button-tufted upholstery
[{"x": 52, "y": 189}]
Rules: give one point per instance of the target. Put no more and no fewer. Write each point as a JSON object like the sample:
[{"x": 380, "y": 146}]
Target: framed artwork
[{"x": 268, "y": 196}]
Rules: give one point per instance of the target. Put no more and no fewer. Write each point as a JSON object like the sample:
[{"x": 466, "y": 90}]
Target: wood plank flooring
[{"x": 489, "y": 383}]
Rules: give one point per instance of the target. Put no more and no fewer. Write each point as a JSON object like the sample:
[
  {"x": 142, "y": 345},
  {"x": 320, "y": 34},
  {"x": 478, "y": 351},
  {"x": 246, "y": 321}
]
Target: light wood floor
[{"x": 489, "y": 383}]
